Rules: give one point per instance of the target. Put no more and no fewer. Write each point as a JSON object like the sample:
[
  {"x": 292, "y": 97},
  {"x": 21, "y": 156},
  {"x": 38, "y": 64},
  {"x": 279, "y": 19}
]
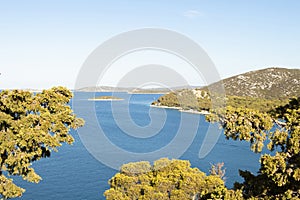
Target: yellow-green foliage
[
  {"x": 186, "y": 99},
  {"x": 169, "y": 99},
  {"x": 166, "y": 179},
  {"x": 31, "y": 125},
  {"x": 263, "y": 105},
  {"x": 279, "y": 173}
]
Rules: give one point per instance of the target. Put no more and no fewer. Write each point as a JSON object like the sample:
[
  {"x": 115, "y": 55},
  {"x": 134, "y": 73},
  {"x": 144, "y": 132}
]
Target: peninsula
[{"x": 263, "y": 90}]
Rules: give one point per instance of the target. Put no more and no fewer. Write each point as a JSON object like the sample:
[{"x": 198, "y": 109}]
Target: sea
[{"x": 118, "y": 132}]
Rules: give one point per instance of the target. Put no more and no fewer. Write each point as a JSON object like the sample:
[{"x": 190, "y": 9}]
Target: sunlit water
[{"x": 73, "y": 173}]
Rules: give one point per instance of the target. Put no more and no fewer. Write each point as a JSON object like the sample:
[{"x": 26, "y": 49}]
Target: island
[{"x": 106, "y": 98}]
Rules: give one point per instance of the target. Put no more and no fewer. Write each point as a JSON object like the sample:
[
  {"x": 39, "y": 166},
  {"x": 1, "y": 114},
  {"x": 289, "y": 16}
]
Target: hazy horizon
[{"x": 45, "y": 44}]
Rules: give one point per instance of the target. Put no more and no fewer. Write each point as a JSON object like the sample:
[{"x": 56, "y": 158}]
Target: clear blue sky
[{"x": 44, "y": 43}]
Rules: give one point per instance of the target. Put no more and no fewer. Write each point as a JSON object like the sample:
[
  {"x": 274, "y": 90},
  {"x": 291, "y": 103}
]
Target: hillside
[
  {"x": 259, "y": 89},
  {"x": 270, "y": 83}
]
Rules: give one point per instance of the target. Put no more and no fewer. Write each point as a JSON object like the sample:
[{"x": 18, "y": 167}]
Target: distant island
[
  {"x": 106, "y": 98},
  {"x": 133, "y": 90},
  {"x": 149, "y": 91}
]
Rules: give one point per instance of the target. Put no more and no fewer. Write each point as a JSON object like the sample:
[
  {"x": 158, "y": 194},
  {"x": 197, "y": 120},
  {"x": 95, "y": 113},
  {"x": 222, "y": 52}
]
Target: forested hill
[
  {"x": 270, "y": 83},
  {"x": 262, "y": 89}
]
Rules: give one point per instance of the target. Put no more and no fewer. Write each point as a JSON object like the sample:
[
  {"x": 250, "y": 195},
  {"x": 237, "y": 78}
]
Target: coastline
[
  {"x": 203, "y": 112},
  {"x": 174, "y": 108},
  {"x": 105, "y": 99}
]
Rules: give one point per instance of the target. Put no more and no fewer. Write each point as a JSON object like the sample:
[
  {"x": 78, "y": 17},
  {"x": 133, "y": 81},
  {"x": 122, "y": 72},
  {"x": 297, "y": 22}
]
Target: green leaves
[
  {"x": 8, "y": 188},
  {"x": 279, "y": 174},
  {"x": 134, "y": 169},
  {"x": 274, "y": 167},
  {"x": 277, "y": 178},
  {"x": 166, "y": 179},
  {"x": 31, "y": 126},
  {"x": 244, "y": 124},
  {"x": 201, "y": 99}
]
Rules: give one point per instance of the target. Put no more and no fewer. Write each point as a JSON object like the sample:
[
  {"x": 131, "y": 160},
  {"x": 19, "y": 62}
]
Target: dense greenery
[
  {"x": 262, "y": 90},
  {"x": 166, "y": 179},
  {"x": 263, "y": 105},
  {"x": 279, "y": 173},
  {"x": 31, "y": 126},
  {"x": 186, "y": 99},
  {"x": 277, "y": 178}
]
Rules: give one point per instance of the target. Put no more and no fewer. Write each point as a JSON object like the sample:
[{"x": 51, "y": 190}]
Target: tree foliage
[
  {"x": 199, "y": 100},
  {"x": 279, "y": 173},
  {"x": 31, "y": 126},
  {"x": 261, "y": 104},
  {"x": 185, "y": 99},
  {"x": 166, "y": 179},
  {"x": 272, "y": 125}
]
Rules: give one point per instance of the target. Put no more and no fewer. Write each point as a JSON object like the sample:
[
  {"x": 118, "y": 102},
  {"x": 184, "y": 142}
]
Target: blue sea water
[{"x": 73, "y": 173}]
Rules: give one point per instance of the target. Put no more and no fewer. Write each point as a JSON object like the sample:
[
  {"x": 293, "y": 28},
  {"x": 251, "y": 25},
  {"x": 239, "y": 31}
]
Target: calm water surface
[{"x": 73, "y": 173}]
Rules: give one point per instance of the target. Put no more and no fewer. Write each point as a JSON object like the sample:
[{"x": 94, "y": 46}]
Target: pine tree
[{"x": 31, "y": 127}]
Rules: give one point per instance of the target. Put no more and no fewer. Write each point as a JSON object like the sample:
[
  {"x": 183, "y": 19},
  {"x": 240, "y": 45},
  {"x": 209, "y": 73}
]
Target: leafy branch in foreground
[
  {"x": 279, "y": 173},
  {"x": 166, "y": 179},
  {"x": 31, "y": 126}
]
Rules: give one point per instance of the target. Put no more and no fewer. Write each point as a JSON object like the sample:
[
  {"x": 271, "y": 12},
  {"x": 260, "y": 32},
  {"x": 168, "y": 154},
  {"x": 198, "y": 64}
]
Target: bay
[{"x": 73, "y": 173}]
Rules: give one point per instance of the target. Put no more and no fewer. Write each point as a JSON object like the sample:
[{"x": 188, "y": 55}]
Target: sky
[{"x": 45, "y": 43}]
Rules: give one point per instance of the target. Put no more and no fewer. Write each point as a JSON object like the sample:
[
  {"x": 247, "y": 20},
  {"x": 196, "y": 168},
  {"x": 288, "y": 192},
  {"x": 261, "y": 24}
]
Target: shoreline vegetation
[
  {"x": 200, "y": 102},
  {"x": 106, "y": 98},
  {"x": 278, "y": 176},
  {"x": 180, "y": 109}
]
